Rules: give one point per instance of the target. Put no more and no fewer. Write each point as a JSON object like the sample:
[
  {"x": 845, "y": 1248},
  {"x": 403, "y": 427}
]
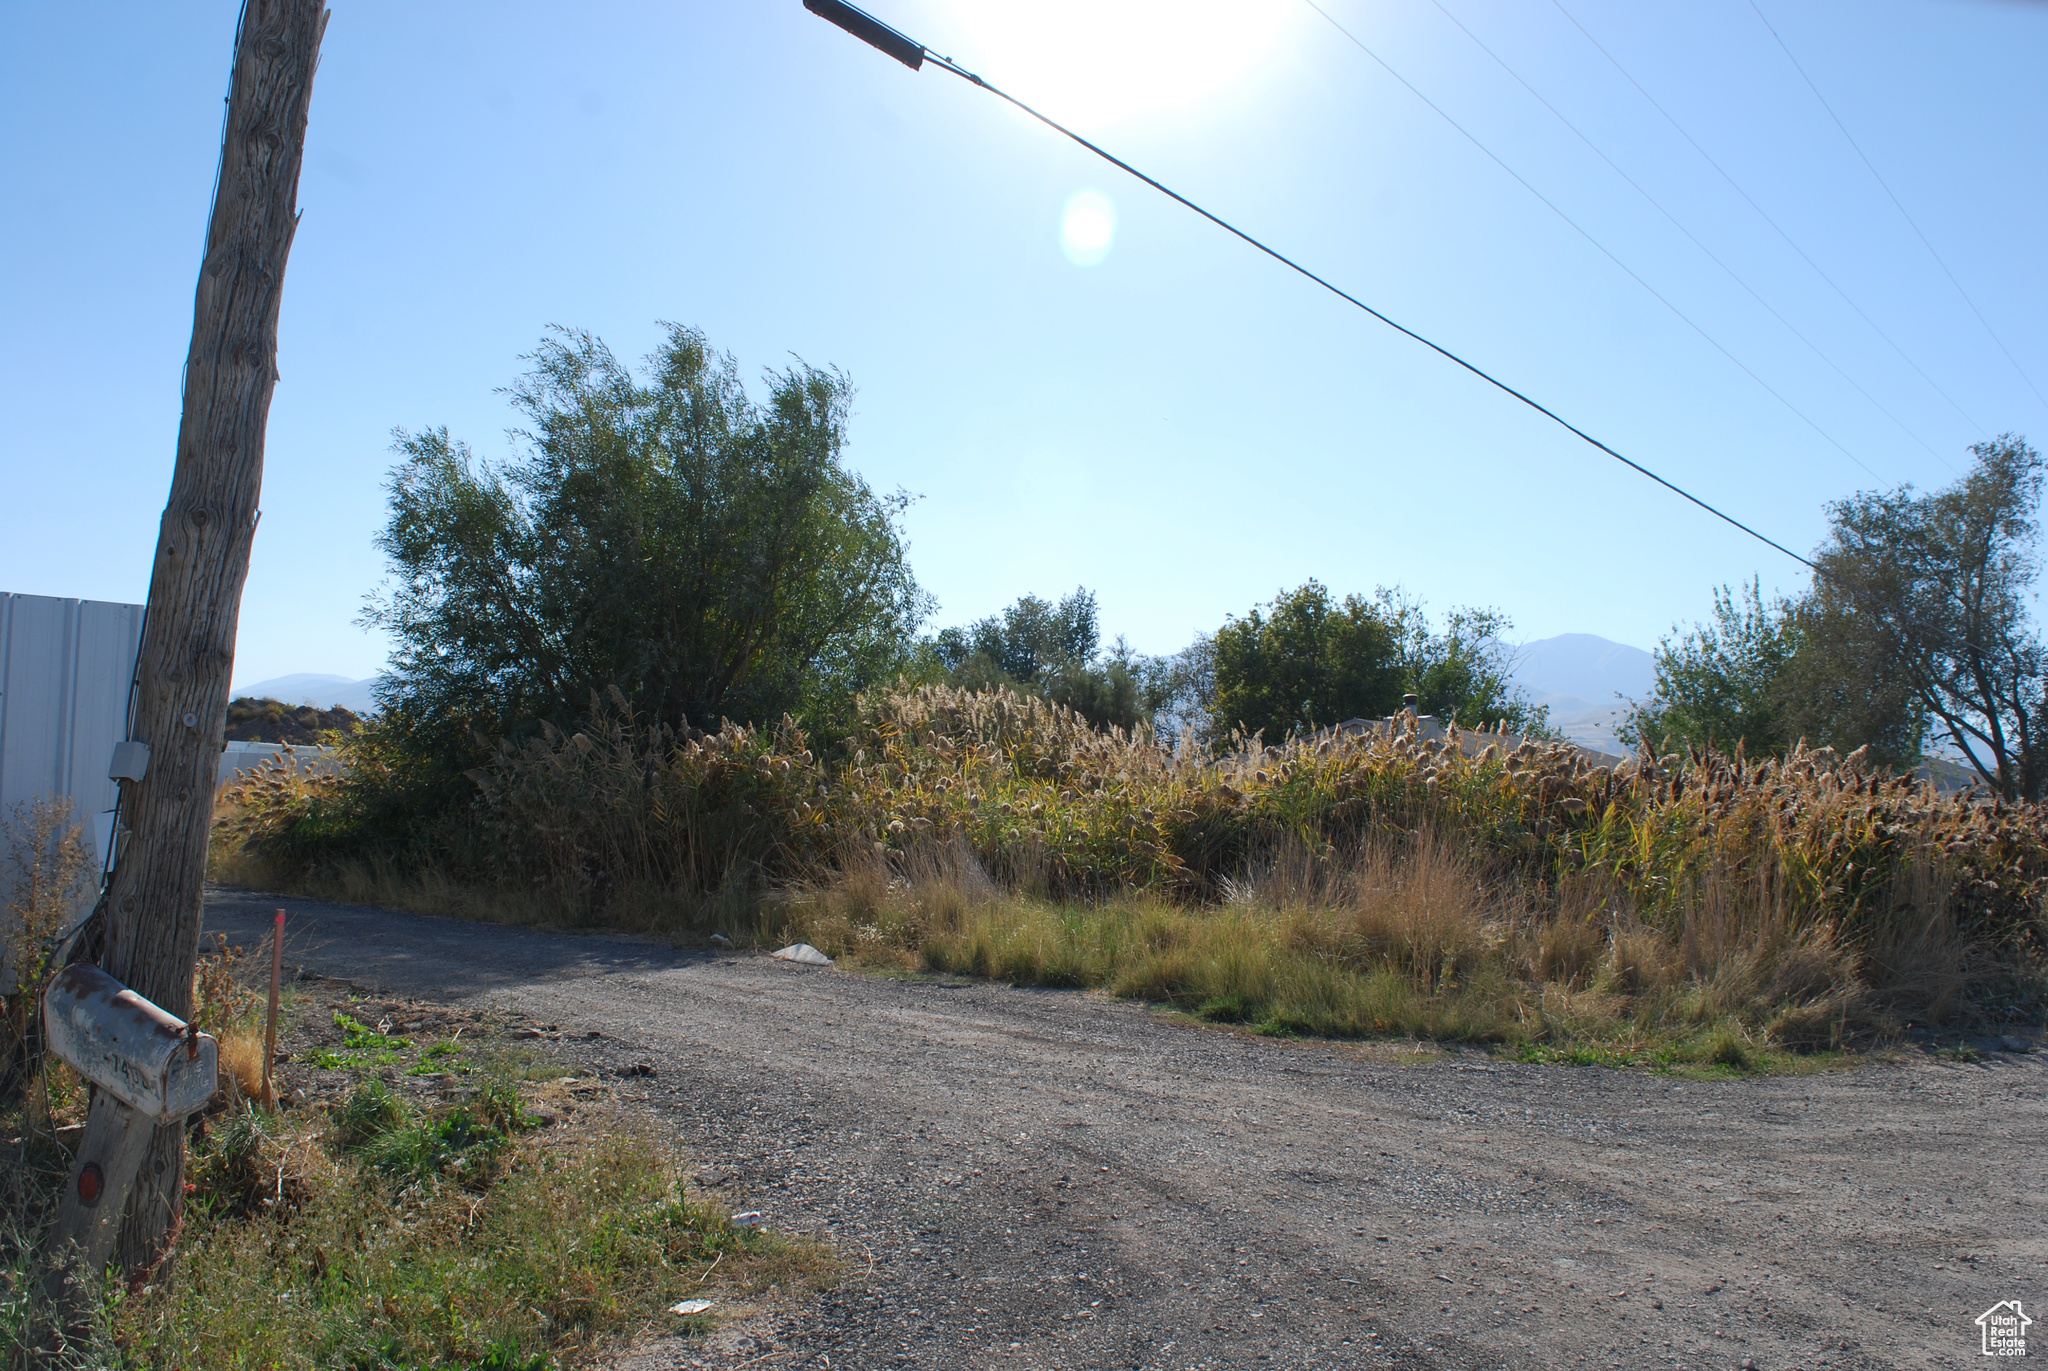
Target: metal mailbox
[{"x": 150, "y": 1060}]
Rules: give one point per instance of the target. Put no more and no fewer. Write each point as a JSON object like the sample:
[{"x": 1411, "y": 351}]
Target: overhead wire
[
  {"x": 1899, "y": 205},
  {"x": 1765, "y": 215},
  {"x": 913, "y": 54},
  {"x": 1602, "y": 248},
  {"x": 1690, "y": 236}
]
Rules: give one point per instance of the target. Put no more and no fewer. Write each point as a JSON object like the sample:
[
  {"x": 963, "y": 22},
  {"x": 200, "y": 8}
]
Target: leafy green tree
[
  {"x": 1847, "y": 685},
  {"x": 1918, "y": 612},
  {"x": 1308, "y": 661},
  {"x": 1030, "y": 640},
  {"x": 1054, "y": 650},
  {"x": 1933, "y": 596},
  {"x": 1465, "y": 672},
  {"x": 665, "y": 535},
  {"x": 1766, "y": 676},
  {"x": 1724, "y": 683},
  {"x": 1181, "y": 689}
]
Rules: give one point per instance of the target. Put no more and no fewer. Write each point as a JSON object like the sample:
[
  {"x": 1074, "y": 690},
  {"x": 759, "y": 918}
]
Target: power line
[
  {"x": 1763, "y": 214},
  {"x": 913, "y": 55},
  {"x": 1581, "y": 230},
  {"x": 1900, "y": 206},
  {"x": 1692, "y": 238}
]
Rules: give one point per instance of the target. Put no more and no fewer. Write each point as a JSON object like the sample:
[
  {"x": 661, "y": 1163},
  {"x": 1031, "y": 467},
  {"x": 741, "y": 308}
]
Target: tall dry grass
[
  {"x": 47, "y": 871},
  {"x": 1369, "y": 883},
  {"x": 226, "y": 1003},
  {"x": 1413, "y": 935}
]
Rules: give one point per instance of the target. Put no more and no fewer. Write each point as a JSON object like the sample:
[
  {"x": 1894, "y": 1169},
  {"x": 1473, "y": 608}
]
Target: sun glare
[
  {"x": 1088, "y": 228},
  {"x": 1096, "y": 62}
]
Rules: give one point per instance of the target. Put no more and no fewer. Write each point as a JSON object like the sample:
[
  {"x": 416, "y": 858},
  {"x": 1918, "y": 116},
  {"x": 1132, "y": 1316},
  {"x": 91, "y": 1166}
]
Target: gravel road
[{"x": 1026, "y": 1178}]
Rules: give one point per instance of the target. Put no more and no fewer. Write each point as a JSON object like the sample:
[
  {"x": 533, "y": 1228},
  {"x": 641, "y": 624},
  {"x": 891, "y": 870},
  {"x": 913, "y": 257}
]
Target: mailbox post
[{"x": 149, "y": 1067}]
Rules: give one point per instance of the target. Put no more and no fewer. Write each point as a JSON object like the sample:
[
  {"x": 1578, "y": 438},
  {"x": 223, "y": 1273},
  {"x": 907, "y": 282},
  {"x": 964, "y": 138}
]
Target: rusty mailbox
[
  {"x": 147, "y": 1059},
  {"x": 152, "y": 1069}
]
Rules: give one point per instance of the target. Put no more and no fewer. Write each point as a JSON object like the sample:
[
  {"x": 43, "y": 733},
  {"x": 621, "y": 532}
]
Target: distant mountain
[
  {"x": 315, "y": 689},
  {"x": 1586, "y": 665},
  {"x": 1578, "y": 676}
]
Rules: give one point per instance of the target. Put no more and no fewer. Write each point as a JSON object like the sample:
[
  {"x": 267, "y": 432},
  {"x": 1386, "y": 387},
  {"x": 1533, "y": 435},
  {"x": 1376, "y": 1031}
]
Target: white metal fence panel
[{"x": 65, "y": 668}]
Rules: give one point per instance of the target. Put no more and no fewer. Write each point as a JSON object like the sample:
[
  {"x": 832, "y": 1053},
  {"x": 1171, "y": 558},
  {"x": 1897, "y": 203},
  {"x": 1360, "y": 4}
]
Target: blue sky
[{"x": 1183, "y": 426}]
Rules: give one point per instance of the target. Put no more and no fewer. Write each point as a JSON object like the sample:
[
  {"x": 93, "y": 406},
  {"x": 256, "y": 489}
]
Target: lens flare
[{"x": 1088, "y": 228}]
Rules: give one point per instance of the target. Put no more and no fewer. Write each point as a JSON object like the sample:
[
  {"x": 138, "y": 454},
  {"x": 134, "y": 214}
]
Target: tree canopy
[
  {"x": 1917, "y": 624},
  {"x": 1724, "y": 682},
  {"x": 1308, "y": 660},
  {"x": 664, "y": 534},
  {"x": 1764, "y": 676},
  {"x": 1933, "y": 591},
  {"x": 1054, "y": 650},
  {"x": 1031, "y": 639}
]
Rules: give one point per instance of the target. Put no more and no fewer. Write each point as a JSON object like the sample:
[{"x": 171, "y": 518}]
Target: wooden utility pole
[{"x": 202, "y": 553}]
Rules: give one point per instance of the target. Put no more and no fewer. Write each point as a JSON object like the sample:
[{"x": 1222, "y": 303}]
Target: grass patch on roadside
[
  {"x": 1722, "y": 1053},
  {"x": 1407, "y": 940},
  {"x": 389, "y": 1237},
  {"x": 492, "y": 1230}
]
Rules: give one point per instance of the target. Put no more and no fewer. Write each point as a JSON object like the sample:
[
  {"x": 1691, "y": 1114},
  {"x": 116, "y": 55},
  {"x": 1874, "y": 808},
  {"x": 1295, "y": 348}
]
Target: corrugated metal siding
[{"x": 65, "y": 667}]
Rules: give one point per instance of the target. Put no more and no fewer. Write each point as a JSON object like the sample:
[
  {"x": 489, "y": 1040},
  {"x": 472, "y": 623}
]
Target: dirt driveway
[{"x": 1045, "y": 1179}]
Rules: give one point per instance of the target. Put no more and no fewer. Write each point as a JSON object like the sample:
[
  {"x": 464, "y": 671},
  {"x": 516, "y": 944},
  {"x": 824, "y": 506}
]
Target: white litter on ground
[
  {"x": 691, "y": 1306},
  {"x": 803, "y": 953}
]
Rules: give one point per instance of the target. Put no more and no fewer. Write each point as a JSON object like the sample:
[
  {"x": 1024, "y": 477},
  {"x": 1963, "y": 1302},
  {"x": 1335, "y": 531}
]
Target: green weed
[
  {"x": 395, "y": 1239},
  {"x": 358, "y": 1037},
  {"x": 1578, "y": 1054}
]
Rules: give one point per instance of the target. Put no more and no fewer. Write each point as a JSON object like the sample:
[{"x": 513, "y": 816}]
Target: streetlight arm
[{"x": 869, "y": 30}]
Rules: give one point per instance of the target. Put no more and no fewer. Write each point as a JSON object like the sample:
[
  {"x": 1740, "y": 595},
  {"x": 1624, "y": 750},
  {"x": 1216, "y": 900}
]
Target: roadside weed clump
[
  {"x": 1725, "y": 1047},
  {"x": 34, "y": 1329},
  {"x": 464, "y": 1143},
  {"x": 441, "y": 1058},
  {"x": 358, "y": 1036},
  {"x": 396, "y": 1237},
  {"x": 223, "y": 1005},
  {"x": 370, "y": 1111},
  {"x": 362, "y": 1047}
]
